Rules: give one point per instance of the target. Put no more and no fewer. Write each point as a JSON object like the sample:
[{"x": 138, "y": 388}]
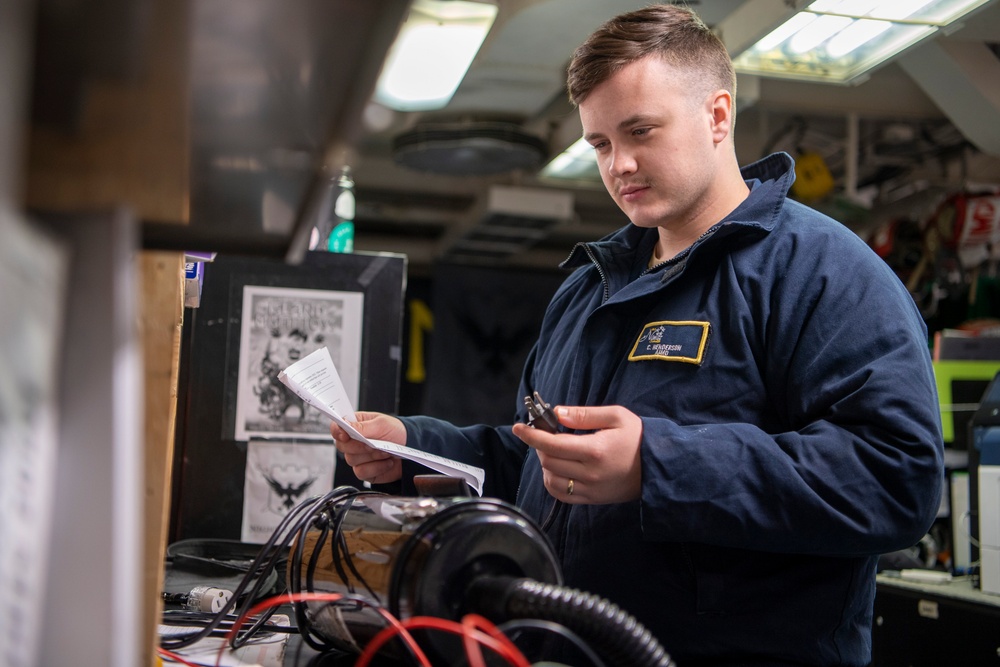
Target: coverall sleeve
[
  {"x": 859, "y": 469},
  {"x": 495, "y": 449}
]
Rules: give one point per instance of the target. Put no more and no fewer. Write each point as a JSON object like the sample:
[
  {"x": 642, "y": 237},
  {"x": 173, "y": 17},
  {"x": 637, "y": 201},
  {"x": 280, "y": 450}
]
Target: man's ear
[{"x": 720, "y": 106}]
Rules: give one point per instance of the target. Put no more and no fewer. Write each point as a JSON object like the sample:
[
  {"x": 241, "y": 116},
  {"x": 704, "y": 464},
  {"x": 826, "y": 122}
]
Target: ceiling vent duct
[
  {"x": 514, "y": 219},
  {"x": 469, "y": 149}
]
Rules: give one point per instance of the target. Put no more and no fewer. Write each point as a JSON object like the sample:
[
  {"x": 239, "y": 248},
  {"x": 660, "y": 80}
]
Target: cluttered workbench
[{"x": 362, "y": 578}]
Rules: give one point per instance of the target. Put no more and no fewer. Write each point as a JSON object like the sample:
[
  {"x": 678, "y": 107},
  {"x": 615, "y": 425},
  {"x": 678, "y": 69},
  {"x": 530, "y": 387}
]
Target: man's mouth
[{"x": 629, "y": 192}]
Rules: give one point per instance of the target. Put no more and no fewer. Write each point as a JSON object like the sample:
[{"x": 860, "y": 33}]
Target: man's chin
[{"x": 644, "y": 221}]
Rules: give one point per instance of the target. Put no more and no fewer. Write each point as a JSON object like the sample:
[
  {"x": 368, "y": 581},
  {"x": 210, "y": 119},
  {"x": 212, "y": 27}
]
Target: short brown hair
[{"x": 674, "y": 33}]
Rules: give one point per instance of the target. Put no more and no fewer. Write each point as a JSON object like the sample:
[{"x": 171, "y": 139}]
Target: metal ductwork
[
  {"x": 961, "y": 77},
  {"x": 471, "y": 149},
  {"x": 512, "y": 220}
]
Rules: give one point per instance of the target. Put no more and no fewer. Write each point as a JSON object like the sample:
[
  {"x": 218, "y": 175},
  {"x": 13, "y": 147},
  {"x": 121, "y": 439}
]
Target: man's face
[{"x": 654, "y": 132}]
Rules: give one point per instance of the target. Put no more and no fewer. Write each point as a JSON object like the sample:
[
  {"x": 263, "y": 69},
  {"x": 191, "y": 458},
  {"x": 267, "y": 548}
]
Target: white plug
[{"x": 208, "y": 598}]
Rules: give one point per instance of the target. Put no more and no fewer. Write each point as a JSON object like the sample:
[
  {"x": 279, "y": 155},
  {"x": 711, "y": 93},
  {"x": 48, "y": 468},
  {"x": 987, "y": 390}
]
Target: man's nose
[{"x": 622, "y": 163}]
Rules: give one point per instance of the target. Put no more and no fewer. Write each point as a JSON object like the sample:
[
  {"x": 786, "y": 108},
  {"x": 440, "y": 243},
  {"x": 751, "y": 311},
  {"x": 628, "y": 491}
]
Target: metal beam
[{"x": 961, "y": 77}]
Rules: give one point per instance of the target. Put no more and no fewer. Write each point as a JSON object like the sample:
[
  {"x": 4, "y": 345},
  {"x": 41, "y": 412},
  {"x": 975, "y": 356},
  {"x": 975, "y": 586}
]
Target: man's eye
[{"x": 640, "y": 131}]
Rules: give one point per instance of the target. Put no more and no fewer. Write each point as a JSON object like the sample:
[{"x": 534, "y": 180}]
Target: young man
[{"x": 745, "y": 392}]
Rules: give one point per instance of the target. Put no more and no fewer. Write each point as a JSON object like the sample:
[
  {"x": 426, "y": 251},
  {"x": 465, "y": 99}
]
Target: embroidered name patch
[{"x": 671, "y": 341}]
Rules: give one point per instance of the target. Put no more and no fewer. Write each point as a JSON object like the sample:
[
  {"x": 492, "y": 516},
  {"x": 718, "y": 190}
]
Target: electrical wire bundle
[
  {"x": 462, "y": 574},
  {"x": 251, "y": 586}
]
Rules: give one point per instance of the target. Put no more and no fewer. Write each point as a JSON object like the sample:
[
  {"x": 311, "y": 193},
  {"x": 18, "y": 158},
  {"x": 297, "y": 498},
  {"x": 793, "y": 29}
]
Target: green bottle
[{"x": 342, "y": 235}]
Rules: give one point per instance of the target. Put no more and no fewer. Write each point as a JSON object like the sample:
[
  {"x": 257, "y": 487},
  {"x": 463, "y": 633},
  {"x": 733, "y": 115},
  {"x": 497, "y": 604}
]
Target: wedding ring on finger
[{"x": 569, "y": 488}]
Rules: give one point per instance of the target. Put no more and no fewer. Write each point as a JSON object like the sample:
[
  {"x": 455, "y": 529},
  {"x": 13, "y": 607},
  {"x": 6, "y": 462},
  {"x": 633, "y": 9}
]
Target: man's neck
[{"x": 675, "y": 239}]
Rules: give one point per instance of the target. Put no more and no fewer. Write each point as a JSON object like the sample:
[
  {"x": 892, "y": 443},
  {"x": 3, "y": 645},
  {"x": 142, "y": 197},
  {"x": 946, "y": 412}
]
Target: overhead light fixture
[
  {"x": 433, "y": 51},
  {"x": 837, "y": 41},
  {"x": 577, "y": 163}
]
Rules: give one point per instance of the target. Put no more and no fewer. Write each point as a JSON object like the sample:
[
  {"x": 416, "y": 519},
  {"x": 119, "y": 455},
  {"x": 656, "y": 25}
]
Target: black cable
[
  {"x": 320, "y": 517},
  {"x": 361, "y": 601},
  {"x": 614, "y": 633},
  {"x": 324, "y": 532},
  {"x": 340, "y": 542},
  {"x": 323, "y": 515},
  {"x": 339, "y": 515},
  {"x": 242, "y": 637},
  {"x": 222, "y": 630},
  {"x": 168, "y": 659},
  {"x": 510, "y": 629},
  {"x": 353, "y": 568},
  {"x": 268, "y": 552},
  {"x": 300, "y": 525},
  {"x": 182, "y": 617},
  {"x": 332, "y": 523},
  {"x": 319, "y": 513},
  {"x": 294, "y": 569}
]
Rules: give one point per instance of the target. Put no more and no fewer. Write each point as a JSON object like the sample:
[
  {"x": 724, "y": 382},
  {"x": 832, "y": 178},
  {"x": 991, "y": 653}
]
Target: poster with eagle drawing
[
  {"x": 280, "y": 326},
  {"x": 279, "y": 477}
]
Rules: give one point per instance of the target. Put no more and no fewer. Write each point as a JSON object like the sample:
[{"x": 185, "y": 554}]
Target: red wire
[
  {"x": 475, "y": 630},
  {"x": 395, "y": 626},
  {"x": 484, "y": 624},
  {"x": 473, "y": 651},
  {"x": 176, "y": 657},
  {"x": 505, "y": 649}
]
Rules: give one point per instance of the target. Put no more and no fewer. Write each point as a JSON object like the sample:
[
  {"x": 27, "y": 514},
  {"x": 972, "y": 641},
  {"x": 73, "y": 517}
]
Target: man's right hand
[{"x": 370, "y": 464}]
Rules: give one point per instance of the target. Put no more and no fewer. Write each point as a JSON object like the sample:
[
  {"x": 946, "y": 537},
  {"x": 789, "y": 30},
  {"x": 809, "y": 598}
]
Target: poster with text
[
  {"x": 279, "y": 477},
  {"x": 280, "y": 326}
]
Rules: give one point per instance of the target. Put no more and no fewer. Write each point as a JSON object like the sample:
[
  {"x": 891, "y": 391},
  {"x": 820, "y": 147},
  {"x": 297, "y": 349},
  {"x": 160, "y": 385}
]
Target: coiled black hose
[{"x": 614, "y": 633}]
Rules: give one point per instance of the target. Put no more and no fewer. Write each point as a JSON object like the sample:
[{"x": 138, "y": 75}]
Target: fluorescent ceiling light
[
  {"x": 838, "y": 40},
  {"x": 576, "y": 163},
  {"x": 432, "y": 53}
]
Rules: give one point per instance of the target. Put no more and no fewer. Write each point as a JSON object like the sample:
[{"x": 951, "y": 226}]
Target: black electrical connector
[{"x": 540, "y": 414}]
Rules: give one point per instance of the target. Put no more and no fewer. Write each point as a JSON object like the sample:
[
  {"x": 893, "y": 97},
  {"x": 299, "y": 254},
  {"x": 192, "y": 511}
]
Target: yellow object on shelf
[{"x": 813, "y": 179}]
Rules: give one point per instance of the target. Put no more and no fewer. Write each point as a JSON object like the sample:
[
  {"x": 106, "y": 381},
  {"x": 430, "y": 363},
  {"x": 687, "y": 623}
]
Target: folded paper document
[{"x": 315, "y": 380}]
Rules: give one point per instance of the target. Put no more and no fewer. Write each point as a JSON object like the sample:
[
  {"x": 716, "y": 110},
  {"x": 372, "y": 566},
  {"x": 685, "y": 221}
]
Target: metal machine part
[
  {"x": 413, "y": 556},
  {"x": 447, "y": 557}
]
